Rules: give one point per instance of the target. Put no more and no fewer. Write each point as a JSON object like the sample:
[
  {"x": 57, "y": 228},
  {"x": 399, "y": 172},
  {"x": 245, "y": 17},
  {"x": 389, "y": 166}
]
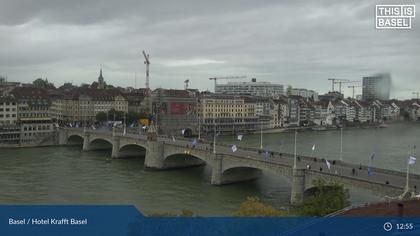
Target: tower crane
[
  {"x": 417, "y": 94},
  {"x": 340, "y": 82},
  {"x": 148, "y": 92},
  {"x": 355, "y": 86},
  {"x": 225, "y": 77}
]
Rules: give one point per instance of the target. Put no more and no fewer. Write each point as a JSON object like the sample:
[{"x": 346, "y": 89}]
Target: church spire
[{"x": 101, "y": 82}]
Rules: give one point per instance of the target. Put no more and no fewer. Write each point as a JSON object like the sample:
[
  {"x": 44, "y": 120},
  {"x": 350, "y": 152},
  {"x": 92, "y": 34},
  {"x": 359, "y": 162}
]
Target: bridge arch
[
  {"x": 132, "y": 150},
  {"x": 240, "y": 174},
  {"x": 182, "y": 160},
  {"x": 100, "y": 144},
  {"x": 75, "y": 139}
]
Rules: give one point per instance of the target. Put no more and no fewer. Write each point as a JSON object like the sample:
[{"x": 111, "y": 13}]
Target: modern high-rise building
[
  {"x": 263, "y": 89},
  {"x": 376, "y": 87}
]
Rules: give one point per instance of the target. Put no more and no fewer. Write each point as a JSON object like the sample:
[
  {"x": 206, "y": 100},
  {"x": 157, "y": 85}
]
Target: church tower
[{"x": 101, "y": 82}]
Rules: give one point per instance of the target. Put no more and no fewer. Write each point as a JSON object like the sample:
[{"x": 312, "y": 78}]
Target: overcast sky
[{"x": 297, "y": 43}]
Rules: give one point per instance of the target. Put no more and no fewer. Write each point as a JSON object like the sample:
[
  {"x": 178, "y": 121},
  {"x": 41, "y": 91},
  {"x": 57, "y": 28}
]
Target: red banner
[{"x": 180, "y": 108}]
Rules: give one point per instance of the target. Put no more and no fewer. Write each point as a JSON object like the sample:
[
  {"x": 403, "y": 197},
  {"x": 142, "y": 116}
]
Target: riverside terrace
[{"x": 244, "y": 164}]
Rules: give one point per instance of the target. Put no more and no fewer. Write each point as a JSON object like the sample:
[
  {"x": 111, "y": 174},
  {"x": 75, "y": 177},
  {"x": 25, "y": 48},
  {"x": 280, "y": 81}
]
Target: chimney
[{"x": 400, "y": 209}]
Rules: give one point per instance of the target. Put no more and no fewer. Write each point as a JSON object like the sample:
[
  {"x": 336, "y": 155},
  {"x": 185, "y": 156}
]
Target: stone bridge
[{"x": 243, "y": 165}]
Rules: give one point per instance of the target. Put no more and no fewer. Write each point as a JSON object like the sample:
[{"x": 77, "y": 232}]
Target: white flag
[
  {"x": 173, "y": 139},
  {"x": 411, "y": 160},
  {"x": 93, "y": 127},
  {"x": 234, "y": 148},
  {"x": 328, "y": 164},
  {"x": 313, "y": 147},
  {"x": 183, "y": 131},
  {"x": 240, "y": 137}
]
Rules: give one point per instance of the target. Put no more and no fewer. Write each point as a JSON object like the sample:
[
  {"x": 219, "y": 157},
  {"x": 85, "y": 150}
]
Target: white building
[
  {"x": 263, "y": 89},
  {"x": 8, "y": 111},
  {"x": 305, "y": 93}
]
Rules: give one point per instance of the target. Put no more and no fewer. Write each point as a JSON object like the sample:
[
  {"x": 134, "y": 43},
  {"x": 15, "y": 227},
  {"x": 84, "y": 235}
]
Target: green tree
[
  {"x": 101, "y": 117},
  {"x": 289, "y": 90},
  {"x": 183, "y": 213},
  {"x": 327, "y": 198},
  {"x": 254, "y": 207}
]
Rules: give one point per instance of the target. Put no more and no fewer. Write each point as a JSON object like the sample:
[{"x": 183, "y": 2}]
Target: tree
[
  {"x": 44, "y": 84},
  {"x": 183, "y": 213},
  {"x": 254, "y": 207},
  {"x": 289, "y": 90},
  {"x": 327, "y": 198},
  {"x": 101, "y": 117}
]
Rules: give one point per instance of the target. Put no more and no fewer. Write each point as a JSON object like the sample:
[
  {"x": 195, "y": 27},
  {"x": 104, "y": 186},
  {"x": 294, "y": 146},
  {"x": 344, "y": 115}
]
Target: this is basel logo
[{"x": 394, "y": 16}]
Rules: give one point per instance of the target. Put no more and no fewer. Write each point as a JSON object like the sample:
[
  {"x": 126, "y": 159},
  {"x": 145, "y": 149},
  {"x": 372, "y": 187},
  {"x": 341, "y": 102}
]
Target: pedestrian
[
  {"x": 298, "y": 158},
  {"x": 320, "y": 169},
  {"x": 353, "y": 171},
  {"x": 387, "y": 182},
  {"x": 360, "y": 167}
]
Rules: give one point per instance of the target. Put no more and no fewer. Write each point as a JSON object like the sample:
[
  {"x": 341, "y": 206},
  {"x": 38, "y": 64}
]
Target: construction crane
[
  {"x": 340, "y": 82},
  {"x": 355, "y": 86},
  {"x": 148, "y": 93},
  {"x": 417, "y": 94},
  {"x": 186, "y": 84},
  {"x": 226, "y": 77}
]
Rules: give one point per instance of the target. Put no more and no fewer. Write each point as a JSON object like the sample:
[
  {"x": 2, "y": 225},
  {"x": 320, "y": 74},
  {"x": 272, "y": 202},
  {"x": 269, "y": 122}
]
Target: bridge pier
[
  {"x": 298, "y": 186},
  {"x": 115, "y": 147},
  {"x": 86, "y": 142},
  {"x": 216, "y": 171},
  {"x": 154, "y": 155}
]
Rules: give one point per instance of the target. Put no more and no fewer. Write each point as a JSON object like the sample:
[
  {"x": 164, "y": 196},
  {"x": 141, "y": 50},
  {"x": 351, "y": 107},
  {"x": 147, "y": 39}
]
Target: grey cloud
[{"x": 301, "y": 43}]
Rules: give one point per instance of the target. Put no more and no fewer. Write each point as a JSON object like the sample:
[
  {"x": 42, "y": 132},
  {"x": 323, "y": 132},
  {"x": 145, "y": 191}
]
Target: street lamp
[
  {"x": 261, "y": 137},
  {"x": 295, "y": 153},
  {"x": 214, "y": 135},
  {"x": 341, "y": 144}
]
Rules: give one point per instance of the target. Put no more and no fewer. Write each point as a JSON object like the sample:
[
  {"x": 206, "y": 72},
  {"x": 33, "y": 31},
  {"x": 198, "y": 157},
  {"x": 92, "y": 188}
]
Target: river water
[{"x": 67, "y": 175}]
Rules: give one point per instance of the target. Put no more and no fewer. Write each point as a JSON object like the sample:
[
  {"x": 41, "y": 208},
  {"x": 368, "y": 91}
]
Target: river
[{"x": 67, "y": 175}]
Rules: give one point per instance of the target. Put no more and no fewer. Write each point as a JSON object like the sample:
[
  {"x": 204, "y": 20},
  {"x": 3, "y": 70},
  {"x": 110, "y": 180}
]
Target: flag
[
  {"x": 313, "y": 147},
  {"x": 266, "y": 154},
  {"x": 183, "y": 131},
  {"x": 173, "y": 139},
  {"x": 412, "y": 160},
  {"x": 328, "y": 164},
  {"x": 372, "y": 156},
  {"x": 144, "y": 127},
  {"x": 57, "y": 126},
  {"x": 71, "y": 126},
  {"x": 93, "y": 127},
  {"x": 132, "y": 125},
  {"x": 194, "y": 142},
  {"x": 370, "y": 172},
  {"x": 240, "y": 137},
  {"x": 234, "y": 148}
]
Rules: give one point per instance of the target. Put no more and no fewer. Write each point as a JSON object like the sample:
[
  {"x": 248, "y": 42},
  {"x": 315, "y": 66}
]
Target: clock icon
[{"x": 387, "y": 226}]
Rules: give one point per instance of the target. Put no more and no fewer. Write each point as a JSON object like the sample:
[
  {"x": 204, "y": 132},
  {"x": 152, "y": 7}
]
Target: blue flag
[
  {"x": 194, "y": 142},
  {"x": 266, "y": 154},
  {"x": 370, "y": 173},
  {"x": 373, "y": 156}
]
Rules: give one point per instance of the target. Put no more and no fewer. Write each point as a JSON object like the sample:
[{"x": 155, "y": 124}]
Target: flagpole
[
  {"x": 199, "y": 129},
  {"x": 261, "y": 141},
  {"x": 341, "y": 144},
  {"x": 295, "y": 156},
  {"x": 214, "y": 136}
]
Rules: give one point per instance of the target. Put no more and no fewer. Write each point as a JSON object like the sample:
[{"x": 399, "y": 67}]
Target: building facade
[
  {"x": 376, "y": 87},
  {"x": 263, "y": 89}
]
